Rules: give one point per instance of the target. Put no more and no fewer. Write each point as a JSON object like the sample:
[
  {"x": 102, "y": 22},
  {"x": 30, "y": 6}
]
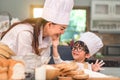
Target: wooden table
[{"x": 111, "y": 78}]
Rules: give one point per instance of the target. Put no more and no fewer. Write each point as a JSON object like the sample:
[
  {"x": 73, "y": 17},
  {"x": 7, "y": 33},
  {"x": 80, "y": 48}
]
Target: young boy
[{"x": 82, "y": 49}]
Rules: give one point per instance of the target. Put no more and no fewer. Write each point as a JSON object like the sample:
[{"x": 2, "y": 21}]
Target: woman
[
  {"x": 35, "y": 36},
  {"x": 20, "y": 36}
]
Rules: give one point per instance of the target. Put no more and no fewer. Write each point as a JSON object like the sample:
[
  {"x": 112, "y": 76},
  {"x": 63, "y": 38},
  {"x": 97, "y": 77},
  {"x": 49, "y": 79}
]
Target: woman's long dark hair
[{"x": 36, "y": 23}]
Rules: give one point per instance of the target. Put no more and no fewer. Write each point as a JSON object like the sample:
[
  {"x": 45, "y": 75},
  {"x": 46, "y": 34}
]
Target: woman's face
[{"x": 55, "y": 30}]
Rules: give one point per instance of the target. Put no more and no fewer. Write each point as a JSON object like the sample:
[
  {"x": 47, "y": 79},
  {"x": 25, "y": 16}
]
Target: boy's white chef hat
[
  {"x": 57, "y": 11},
  {"x": 93, "y": 42}
]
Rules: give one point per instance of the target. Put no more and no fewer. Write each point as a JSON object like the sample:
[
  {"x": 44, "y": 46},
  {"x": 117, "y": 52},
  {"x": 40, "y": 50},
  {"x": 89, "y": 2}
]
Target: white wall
[
  {"x": 82, "y": 2},
  {"x": 21, "y": 8}
]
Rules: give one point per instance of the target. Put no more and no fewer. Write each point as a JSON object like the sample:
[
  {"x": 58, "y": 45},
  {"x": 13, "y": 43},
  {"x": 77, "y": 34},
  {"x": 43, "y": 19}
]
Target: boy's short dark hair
[{"x": 81, "y": 44}]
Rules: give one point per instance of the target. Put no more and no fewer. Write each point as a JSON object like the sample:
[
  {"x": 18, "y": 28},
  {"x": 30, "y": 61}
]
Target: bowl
[
  {"x": 79, "y": 77},
  {"x": 51, "y": 72},
  {"x": 64, "y": 78}
]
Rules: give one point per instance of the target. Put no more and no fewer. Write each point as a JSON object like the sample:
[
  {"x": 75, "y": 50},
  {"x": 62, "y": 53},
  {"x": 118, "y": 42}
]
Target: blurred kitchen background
[{"x": 99, "y": 16}]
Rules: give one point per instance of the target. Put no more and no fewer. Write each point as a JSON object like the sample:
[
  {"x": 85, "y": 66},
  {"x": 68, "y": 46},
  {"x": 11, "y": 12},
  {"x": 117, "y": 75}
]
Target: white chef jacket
[{"x": 19, "y": 39}]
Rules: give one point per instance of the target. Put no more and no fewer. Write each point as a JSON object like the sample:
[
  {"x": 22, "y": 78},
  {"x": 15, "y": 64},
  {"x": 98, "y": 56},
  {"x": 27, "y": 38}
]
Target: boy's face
[{"x": 79, "y": 52}]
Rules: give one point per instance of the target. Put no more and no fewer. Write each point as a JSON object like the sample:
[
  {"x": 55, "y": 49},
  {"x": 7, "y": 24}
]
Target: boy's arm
[{"x": 56, "y": 56}]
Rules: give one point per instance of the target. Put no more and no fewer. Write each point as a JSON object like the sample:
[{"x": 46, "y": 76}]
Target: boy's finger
[
  {"x": 102, "y": 64},
  {"x": 96, "y": 61}
]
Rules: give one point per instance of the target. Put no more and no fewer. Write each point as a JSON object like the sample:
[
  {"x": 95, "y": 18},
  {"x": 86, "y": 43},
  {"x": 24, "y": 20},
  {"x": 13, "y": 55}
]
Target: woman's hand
[{"x": 97, "y": 66}]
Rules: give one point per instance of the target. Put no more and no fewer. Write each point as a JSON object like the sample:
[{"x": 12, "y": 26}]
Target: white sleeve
[
  {"x": 24, "y": 43},
  {"x": 57, "y": 60}
]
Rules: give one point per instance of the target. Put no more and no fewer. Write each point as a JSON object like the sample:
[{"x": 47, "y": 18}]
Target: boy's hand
[
  {"x": 55, "y": 40},
  {"x": 97, "y": 66}
]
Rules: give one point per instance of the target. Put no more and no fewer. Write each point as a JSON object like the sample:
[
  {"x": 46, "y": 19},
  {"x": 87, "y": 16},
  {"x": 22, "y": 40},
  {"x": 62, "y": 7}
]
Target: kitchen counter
[
  {"x": 112, "y": 71},
  {"x": 109, "y": 73}
]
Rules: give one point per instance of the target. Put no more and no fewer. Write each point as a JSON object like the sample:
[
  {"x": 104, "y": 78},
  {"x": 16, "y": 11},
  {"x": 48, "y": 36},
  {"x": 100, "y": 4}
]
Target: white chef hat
[
  {"x": 93, "y": 42},
  {"x": 57, "y": 11}
]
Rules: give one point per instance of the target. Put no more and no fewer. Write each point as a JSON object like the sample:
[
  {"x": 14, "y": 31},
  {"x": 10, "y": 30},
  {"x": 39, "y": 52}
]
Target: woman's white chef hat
[
  {"x": 57, "y": 11},
  {"x": 93, "y": 42}
]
